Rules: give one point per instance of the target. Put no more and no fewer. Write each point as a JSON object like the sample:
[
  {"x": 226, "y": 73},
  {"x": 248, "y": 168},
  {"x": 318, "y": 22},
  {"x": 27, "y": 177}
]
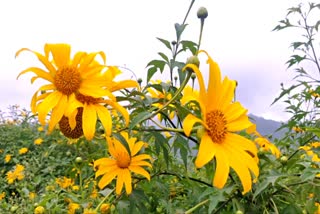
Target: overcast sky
[{"x": 237, "y": 34}]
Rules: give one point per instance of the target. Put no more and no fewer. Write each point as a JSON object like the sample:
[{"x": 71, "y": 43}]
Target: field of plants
[{"x": 95, "y": 143}]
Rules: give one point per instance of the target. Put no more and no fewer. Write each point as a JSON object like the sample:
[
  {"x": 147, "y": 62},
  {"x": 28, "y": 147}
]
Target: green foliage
[{"x": 59, "y": 172}]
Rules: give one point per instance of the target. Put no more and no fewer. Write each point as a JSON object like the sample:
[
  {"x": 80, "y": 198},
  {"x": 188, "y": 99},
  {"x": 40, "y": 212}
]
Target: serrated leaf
[
  {"x": 165, "y": 42},
  {"x": 284, "y": 92}
]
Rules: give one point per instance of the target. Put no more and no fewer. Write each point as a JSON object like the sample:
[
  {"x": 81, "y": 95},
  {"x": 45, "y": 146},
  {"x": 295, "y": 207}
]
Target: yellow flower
[
  {"x": 40, "y": 128},
  {"x": 38, "y": 141},
  {"x": 309, "y": 151},
  {"x": 89, "y": 108},
  {"x": 2, "y": 195},
  {"x": 67, "y": 77},
  {"x": 163, "y": 97},
  {"x": 189, "y": 94},
  {"x": 23, "y": 151},
  {"x": 64, "y": 182},
  {"x": 72, "y": 207},
  {"x": 75, "y": 187},
  {"x": 32, "y": 195},
  {"x": 39, "y": 210},
  {"x": 16, "y": 174},
  {"x": 122, "y": 163},
  {"x": 267, "y": 146},
  {"x": 263, "y": 142},
  {"x": 221, "y": 119},
  {"x": 89, "y": 211},
  {"x": 7, "y": 158},
  {"x": 105, "y": 208}
]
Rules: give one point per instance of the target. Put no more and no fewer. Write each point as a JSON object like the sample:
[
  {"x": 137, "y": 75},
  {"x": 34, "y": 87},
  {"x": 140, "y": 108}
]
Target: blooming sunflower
[
  {"x": 121, "y": 163},
  {"x": 221, "y": 119},
  {"x": 67, "y": 77},
  {"x": 89, "y": 109}
]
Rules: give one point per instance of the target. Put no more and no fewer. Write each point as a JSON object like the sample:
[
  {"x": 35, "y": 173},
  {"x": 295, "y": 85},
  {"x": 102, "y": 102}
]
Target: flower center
[
  {"x": 123, "y": 160},
  {"x": 217, "y": 126},
  {"x": 87, "y": 99},
  {"x": 66, "y": 129},
  {"x": 67, "y": 80}
]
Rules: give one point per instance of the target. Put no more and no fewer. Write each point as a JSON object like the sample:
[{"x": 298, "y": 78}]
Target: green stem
[
  {"x": 103, "y": 200},
  {"x": 200, "y": 36},
  {"x": 197, "y": 206},
  {"x": 167, "y": 128},
  {"x": 175, "y": 96}
]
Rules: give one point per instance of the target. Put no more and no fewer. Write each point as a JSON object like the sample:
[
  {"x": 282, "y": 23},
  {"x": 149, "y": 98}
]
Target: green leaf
[
  {"x": 165, "y": 42},
  {"x": 139, "y": 118},
  {"x": 284, "y": 92},
  {"x": 164, "y": 57},
  {"x": 155, "y": 65},
  {"x": 189, "y": 45},
  {"x": 179, "y": 29}
]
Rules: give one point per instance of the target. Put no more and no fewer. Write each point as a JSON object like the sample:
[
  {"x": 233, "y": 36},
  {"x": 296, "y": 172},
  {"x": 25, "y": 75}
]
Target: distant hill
[{"x": 267, "y": 127}]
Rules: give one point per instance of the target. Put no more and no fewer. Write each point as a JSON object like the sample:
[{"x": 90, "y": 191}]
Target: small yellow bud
[{"x": 39, "y": 210}]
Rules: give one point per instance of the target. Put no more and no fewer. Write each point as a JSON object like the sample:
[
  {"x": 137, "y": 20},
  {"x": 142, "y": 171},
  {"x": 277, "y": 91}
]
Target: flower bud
[
  {"x": 78, "y": 159},
  {"x": 193, "y": 76},
  {"x": 139, "y": 81},
  {"x": 193, "y": 60},
  {"x": 202, "y": 13}
]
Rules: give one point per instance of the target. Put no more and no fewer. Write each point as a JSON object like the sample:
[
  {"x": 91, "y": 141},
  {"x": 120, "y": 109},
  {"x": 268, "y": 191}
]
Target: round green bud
[
  {"x": 239, "y": 212},
  {"x": 284, "y": 159},
  {"x": 175, "y": 77},
  {"x": 193, "y": 60},
  {"x": 13, "y": 208},
  {"x": 202, "y": 13},
  {"x": 68, "y": 153},
  {"x": 139, "y": 81},
  {"x": 193, "y": 76},
  {"x": 173, "y": 43},
  {"x": 78, "y": 159}
]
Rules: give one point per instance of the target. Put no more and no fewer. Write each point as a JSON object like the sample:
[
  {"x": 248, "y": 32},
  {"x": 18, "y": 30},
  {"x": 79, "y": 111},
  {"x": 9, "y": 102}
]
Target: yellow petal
[
  {"x": 119, "y": 108},
  {"x": 239, "y": 124},
  {"x": 202, "y": 89},
  {"x": 78, "y": 57},
  {"x": 233, "y": 111},
  {"x": 39, "y": 72},
  {"x": 103, "y": 161},
  {"x": 47, "y": 104},
  {"x": 140, "y": 157},
  {"x": 140, "y": 171},
  {"x": 72, "y": 119},
  {"x": 226, "y": 94},
  {"x": 127, "y": 181},
  {"x": 189, "y": 122},
  {"x": 107, "y": 178},
  {"x": 106, "y": 169},
  {"x": 136, "y": 148},
  {"x": 123, "y": 84},
  {"x": 222, "y": 168},
  {"x": 60, "y": 53},
  {"x": 58, "y": 112},
  {"x": 120, "y": 180},
  {"x": 207, "y": 151},
  {"x": 89, "y": 120},
  {"x": 105, "y": 118},
  {"x": 88, "y": 59},
  {"x": 42, "y": 59}
]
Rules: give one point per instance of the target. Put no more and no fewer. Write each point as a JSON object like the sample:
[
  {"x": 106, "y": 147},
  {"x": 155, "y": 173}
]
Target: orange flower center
[
  {"x": 87, "y": 99},
  {"x": 66, "y": 129},
  {"x": 123, "y": 160},
  {"x": 67, "y": 80},
  {"x": 216, "y": 123}
]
